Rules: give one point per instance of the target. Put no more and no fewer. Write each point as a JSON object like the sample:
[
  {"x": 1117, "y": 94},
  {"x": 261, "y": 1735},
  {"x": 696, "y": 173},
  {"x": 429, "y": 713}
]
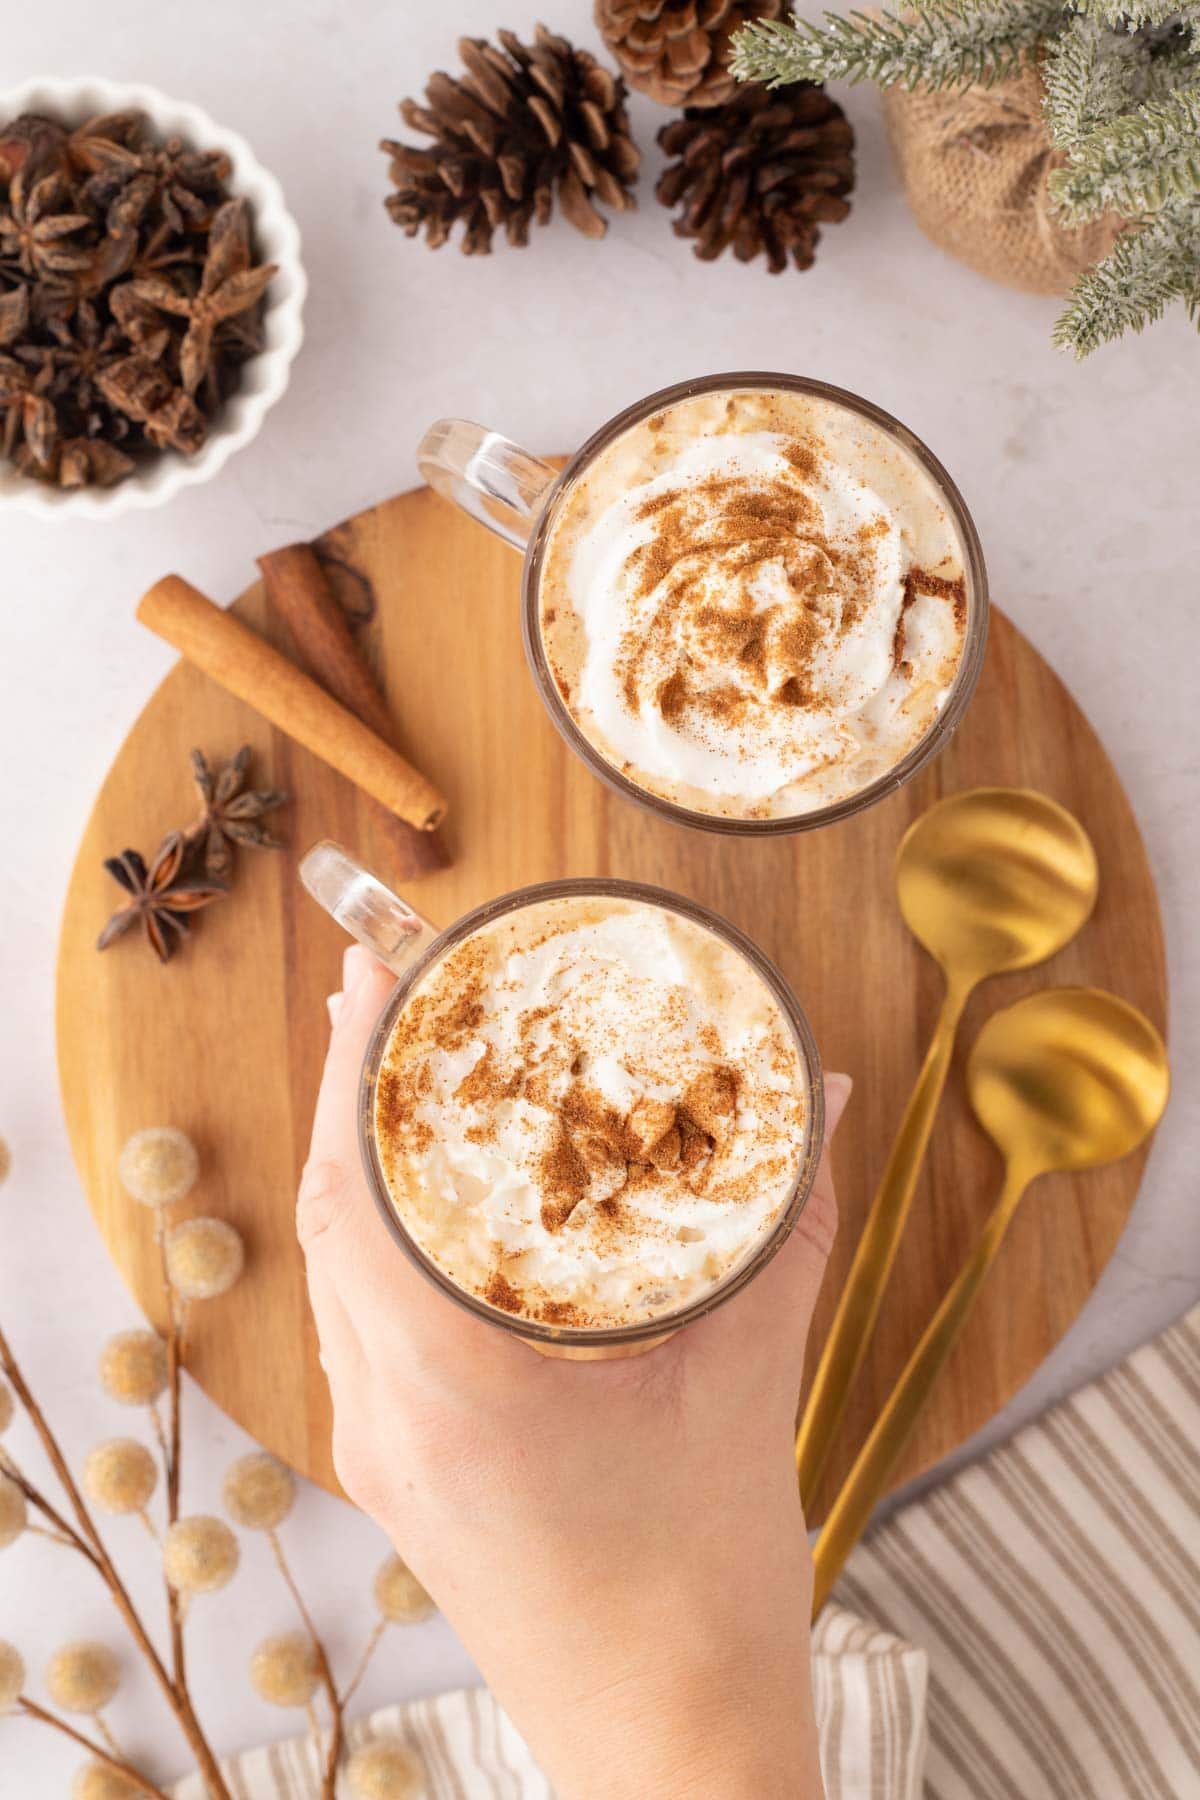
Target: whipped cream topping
[
  {"x": 590, "y": 1111},
  {"x": 753, "y": 603}
]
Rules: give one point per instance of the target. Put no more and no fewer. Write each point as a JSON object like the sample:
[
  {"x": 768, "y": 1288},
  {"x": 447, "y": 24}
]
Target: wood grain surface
[{"x": 228, "y": 1040}]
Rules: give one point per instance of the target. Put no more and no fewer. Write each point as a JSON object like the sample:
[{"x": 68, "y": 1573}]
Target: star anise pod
[
  {"x": 84, "y": 347},
  {"x": 141, "y": 323},
  {"x": 161, "y": 897},
  {"x": 31, "y": 143},
  {"x": 14, "y": 315},
  {"x": 37, "y": 225},
  {"x": 28, "y": 415},
  {"x": 129, "y": 127},
  {"x": 228, "y": 286},
  {"x": 76, "y": 462},
  {"x": 146, "y": 394},
  {"x": 129, "y": 179},
  {"x": 232, "y": 812}
]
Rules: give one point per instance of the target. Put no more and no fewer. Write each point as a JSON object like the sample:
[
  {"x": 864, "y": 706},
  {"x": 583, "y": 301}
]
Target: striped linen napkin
[{"x": 1054, "y": 1589}]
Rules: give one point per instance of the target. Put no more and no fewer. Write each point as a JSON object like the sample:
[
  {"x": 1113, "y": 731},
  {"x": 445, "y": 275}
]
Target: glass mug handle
[
  {"x": 360, "y": 903},
  {"x": 486, "y": 475}
]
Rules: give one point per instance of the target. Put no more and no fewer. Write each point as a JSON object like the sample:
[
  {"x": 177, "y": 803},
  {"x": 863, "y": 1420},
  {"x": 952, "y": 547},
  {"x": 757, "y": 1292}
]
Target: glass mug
[
  {"x": 410, "y": 946},
  {"x": 519, "y": 497}
]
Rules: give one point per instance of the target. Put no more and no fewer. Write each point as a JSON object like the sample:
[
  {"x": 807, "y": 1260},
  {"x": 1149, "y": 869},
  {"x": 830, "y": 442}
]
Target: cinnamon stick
[
  {"x": 299, "y": 591},
  {"x": 247, "y": 666}
]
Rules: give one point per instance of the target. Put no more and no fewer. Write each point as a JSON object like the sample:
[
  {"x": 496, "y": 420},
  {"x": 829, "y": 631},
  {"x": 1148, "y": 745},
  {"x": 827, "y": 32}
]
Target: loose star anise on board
[
  {"x": 232, "y": 813},
  {"x": 190, "y": 869},
  {"x": 161, "y": 897}
]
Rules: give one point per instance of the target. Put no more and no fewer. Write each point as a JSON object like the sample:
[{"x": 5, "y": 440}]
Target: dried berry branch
[
  {"x": 142, "y": 1782},
  {"x": 336, "y": 1703},
  {"x": 67, "y": 1534},
  {"x": 364, "y": 1662},
  {"x": 172, "y": 1449},
  {"x": 200, "y": 1259},
  {"x": 177, "y": 1698}
]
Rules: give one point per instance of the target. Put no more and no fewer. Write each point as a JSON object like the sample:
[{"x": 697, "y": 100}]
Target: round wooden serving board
[{"x": 228, "y": 1040}]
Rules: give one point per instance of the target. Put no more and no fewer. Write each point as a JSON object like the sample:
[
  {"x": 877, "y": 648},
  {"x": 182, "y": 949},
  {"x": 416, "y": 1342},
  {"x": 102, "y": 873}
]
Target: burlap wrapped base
[{"x": 974, "y": 162}]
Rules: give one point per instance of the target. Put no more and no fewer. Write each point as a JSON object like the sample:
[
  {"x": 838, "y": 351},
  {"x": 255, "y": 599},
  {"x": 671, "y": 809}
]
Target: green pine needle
[
  {"x": 1144, "y": 273},
  {"x": 1090, "y": 74},
  {"x": 1135, "y": 163},
  {"x": 950, "y": 43}
]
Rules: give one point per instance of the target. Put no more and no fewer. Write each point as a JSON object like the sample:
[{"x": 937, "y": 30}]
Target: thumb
[{"x": 333, "y": 1168}]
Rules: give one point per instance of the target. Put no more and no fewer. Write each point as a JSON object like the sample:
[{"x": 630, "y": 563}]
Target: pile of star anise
[{"x": 128, "y": 295}]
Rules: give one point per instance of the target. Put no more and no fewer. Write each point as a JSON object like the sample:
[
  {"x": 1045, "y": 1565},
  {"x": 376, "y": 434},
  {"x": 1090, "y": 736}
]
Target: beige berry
[
  {"x": 204, "y": 1258},
  {"x": 120, "y": 1475},
  {"x": 96, "y": 1781},
  {"x": 7, "y": 1407},
  {"x": 12, "y": 1675},
  {"x": 83, "y": 1677},
  {"x": 133, "y": 1367},
  {"x": 399, "y": 1595},
  {"x": 259, "y": 1492},
  {"x": 200, "y": 1555},
  {"x": 284, "y": 1669},
  {"x": 5, "y": 1159},
  {"x": 384, "y": 1771},
  {"x": 158, "y": 1166},
  {"x": 13, "y": 1515}
]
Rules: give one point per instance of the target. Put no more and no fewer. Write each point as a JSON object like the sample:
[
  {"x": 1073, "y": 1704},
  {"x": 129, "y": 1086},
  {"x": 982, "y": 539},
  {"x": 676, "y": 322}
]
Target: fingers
[
  {"x": 817, "y": 1224},
  {"x": 352, "y": 1262},
  {"x": 354, "y": 1013}
]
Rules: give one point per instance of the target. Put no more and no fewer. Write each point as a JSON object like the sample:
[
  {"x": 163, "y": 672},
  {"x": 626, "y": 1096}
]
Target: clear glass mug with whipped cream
[
  {"x": 590, "y": 1112},
  {"x": 753, "y": 602}
]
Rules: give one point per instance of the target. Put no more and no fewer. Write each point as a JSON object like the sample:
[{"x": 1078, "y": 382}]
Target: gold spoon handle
[
  {"x": 867, "y": 1480},
  {"x": 863, "y": 1292}
]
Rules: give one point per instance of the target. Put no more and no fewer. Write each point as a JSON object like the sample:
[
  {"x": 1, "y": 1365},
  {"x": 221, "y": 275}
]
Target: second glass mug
[
  {"x": 518, "y": 496},
  {"x": 409, "y": 945}
]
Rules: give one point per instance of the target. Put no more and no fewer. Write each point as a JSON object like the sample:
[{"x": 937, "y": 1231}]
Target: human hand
[{"x": 618, "y": 1543}]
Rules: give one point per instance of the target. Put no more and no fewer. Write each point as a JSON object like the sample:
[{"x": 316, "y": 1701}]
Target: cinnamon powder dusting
[
  {"x": 725, "y": 605},
  {"x": 741, "y": 527},
  {"x": 921, "y": 581},
  {"x": 607, "y": 1176}
]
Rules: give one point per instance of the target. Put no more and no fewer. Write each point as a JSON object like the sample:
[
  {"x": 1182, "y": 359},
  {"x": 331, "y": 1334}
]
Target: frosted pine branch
[
  {"x": 1136, "y": 163},
  {"x": 948, "y": 44},
  {"x": 1090, "y": 75},
  {"x": 1120, "y": 13},
  {"x": 1144, "y": 273},
  {"x": 1174, "y": 64}
]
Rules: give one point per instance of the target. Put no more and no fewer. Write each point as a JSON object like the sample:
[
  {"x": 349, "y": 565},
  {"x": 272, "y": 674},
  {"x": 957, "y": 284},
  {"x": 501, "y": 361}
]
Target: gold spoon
[
  {"x": 988, "y": 880},
  {"x": 1067, "y": 1079}
]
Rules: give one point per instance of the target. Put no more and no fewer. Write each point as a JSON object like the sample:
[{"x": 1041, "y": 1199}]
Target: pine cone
[
  {"x": 676, "y": 50},
  {"x": 760, "y": 174},
  {"x": 526, "y": 125}
]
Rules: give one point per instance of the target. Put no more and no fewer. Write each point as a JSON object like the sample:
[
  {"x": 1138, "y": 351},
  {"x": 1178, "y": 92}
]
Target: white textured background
[{"x": 1082, "y": 481}]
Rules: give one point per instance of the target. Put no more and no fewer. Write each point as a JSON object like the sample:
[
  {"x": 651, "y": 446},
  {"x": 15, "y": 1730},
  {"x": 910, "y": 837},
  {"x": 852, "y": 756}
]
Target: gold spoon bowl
[
  {"x": 989, "y": 880},
  {"x": 1068, "y": 1079}
]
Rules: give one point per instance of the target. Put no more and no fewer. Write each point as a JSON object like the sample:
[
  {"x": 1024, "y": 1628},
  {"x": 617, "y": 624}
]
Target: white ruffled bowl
[{"x": 261, "y": 380}]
